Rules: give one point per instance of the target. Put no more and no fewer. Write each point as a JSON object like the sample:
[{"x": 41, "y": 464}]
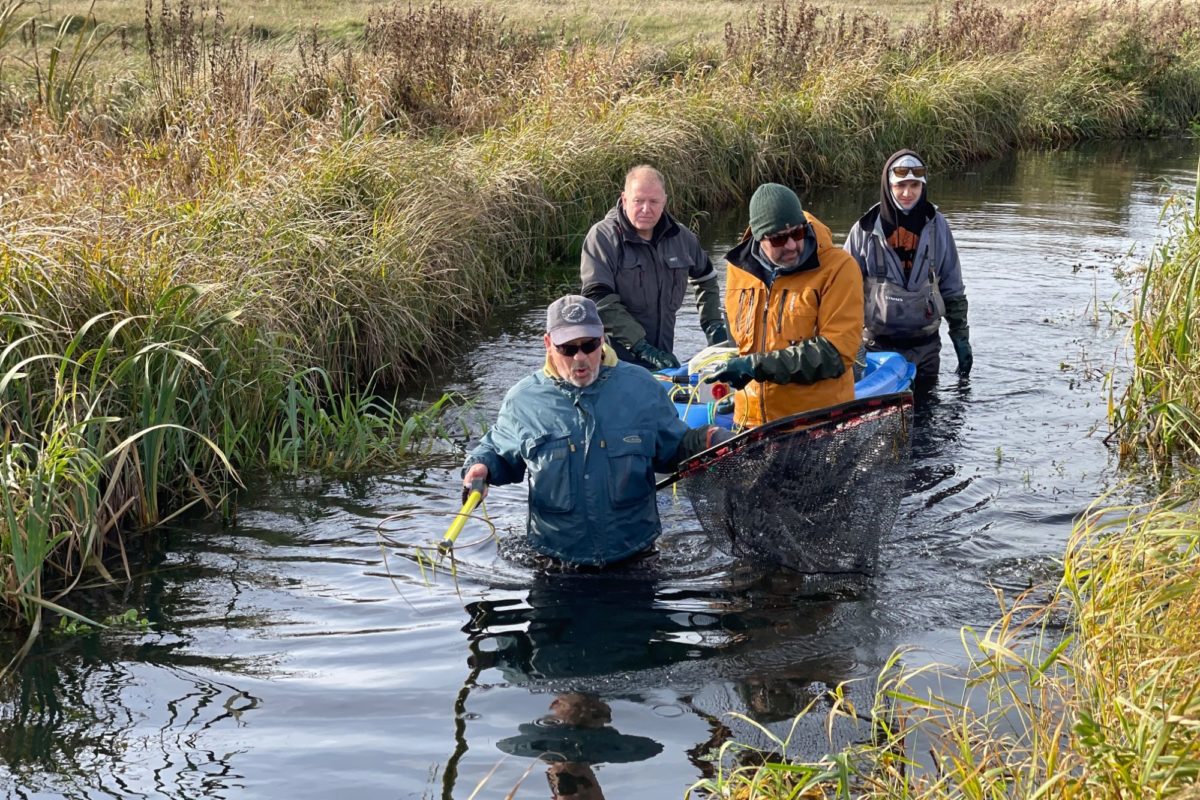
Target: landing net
[{"x": 814, "y": 492}]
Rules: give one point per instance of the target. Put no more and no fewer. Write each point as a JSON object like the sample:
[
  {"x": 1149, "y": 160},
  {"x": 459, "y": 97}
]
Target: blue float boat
[{"x": 885, "y": 373}]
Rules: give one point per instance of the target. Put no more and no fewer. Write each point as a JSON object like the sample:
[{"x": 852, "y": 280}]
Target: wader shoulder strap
[
  {"x": 880, "y": 264},
  {"x": 932, "y": 251}
]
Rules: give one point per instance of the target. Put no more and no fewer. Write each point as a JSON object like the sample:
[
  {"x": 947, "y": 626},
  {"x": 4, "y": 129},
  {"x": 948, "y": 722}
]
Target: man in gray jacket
[{"x": 635, "y": 265}]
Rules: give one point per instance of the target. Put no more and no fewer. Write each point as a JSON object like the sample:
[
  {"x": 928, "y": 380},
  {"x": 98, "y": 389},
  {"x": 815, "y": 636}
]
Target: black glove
[
  {"x": 716, "y": 332},
  {"x": 659, "y": 359},
  {"x": 962, "y": 349},
  {"x": 719, "y": 436},
  {"x": 476, "y": 485},
  {"x": 960, "y": 332},
  {"x": 737, "y": 372}
]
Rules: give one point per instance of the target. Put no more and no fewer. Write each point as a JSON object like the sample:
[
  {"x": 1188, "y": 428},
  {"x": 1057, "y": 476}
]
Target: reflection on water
[
  {"x": 760, "y": 649},
  {"x": 298, "y": 655},
  {"x": 73, "y": 730}
]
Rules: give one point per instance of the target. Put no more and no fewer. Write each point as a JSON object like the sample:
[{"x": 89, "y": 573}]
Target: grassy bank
[
  {"x": 662, "y": 22},
  {"x": 205, "y": 237},
  {"x": 1090, "y": 690}
]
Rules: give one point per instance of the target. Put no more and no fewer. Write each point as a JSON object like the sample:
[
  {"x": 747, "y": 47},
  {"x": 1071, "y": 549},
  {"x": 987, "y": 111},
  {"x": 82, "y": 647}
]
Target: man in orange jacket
[{"x": 795, "y": 308}]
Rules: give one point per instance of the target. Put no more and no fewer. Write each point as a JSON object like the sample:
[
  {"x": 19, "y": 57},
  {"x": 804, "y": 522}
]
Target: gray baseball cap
[{"x": 573, "y": 317}]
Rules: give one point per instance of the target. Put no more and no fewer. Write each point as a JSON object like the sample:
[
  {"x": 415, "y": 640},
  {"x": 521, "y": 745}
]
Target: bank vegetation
[{"x": 222, "y": 252}]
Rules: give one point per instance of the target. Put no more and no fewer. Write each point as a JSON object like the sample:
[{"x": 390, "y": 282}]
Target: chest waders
[{"x": 893, "y": 310}]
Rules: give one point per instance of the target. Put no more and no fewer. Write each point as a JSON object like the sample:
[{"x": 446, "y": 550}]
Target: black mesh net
[{"x": 814, "y": 492}]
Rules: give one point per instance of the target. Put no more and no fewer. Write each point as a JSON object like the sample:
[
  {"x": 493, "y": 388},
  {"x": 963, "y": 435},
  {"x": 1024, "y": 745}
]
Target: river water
[{"x": 304, "y": 653}]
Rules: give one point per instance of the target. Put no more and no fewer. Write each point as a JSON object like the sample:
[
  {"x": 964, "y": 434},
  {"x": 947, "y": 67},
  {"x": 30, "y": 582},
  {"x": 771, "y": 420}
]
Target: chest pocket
[
  {"x": 634, "y": 281},
  {"x": 742, "y": 320},
  {"x": 630, "y": 472},
  {"x": 678, "y": 269},
  {"x": 548, "y": 460},
  {"x": 793, "y": 316}
]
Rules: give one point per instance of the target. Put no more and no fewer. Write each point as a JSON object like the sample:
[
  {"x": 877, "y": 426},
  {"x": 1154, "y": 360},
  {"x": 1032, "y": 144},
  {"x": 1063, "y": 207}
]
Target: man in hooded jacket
[
  {"x": 795, "y": 309},
  {"x": 911, "y": 271}
]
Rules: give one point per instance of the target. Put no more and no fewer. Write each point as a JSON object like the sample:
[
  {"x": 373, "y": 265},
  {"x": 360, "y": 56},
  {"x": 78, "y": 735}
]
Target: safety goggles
[
  {"x": 780, "y": 239},
  {"x": 588, "y": 346},
  {"x": 909, "y": 172}
]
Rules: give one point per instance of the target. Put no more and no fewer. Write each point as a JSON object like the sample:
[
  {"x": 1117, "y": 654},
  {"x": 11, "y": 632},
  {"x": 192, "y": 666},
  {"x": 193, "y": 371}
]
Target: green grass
[
  {"x": 133, "y": 419},
  {"x": 1157, "y": 419},
  {"x": 1105, "y": 706}
]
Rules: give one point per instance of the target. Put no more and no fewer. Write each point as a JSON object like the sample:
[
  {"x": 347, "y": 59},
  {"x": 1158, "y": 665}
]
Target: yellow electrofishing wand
[{"x": 460, "y": 519}]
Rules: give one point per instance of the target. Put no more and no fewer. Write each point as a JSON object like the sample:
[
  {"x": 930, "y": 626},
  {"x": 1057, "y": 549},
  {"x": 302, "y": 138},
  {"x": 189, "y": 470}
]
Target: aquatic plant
[
  {"x": 1157, "y": 418},
  {"x": 133, "y": 419}
]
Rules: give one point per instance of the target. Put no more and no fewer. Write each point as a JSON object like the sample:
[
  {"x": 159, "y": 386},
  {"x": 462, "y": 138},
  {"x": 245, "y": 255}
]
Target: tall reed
[
  {"x": 1157, "y": 419},
  {"x": 132, "y": 419},
  {"x": 1105, "y": 706}
]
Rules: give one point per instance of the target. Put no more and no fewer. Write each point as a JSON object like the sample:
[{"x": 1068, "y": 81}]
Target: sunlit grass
[
  {"x": 132, "y": 419},
  {"x": 658, "y": 22},
  {"x": 1089, "y": 692},
  {"x": 1158, "y": 417}
]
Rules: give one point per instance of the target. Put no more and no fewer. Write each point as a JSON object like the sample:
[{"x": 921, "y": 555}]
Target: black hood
[{"x": 889, "y": 213}]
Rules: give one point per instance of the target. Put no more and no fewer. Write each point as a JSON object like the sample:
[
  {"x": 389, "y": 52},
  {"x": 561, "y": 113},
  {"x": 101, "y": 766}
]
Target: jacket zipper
[{"x": 766, "y": 321}]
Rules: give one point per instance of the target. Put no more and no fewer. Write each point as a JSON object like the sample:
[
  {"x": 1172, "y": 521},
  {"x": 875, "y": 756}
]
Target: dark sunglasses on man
[
  {"x": 780, "y": 239},
  {"x": 588, "y": 346},
  {"x": 904, "y": 172}
]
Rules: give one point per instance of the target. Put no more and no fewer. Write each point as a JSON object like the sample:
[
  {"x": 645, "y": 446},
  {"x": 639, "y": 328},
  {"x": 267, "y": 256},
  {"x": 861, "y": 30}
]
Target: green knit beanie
[{"x": 773, "y": 208}]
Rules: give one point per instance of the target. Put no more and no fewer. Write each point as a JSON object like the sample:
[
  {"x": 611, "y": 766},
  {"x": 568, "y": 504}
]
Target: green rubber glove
[
  {"x": 737, "y": 372},
  {"x": 962, "y": 349},
  {"x": 716, "y": 332},
  {"x": 659, "y": 359}
]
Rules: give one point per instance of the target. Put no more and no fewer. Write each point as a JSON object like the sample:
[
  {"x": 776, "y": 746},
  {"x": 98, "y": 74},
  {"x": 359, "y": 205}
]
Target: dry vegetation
[{"x": 663, "y": 22}]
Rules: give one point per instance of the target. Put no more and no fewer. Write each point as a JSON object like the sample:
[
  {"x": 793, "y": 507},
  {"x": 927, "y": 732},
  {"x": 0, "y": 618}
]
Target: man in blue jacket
[{"x": 591, "y": 431}]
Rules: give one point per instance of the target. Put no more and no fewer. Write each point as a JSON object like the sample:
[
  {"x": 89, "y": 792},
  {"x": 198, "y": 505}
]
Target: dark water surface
[{"x": 299, "y": 654}]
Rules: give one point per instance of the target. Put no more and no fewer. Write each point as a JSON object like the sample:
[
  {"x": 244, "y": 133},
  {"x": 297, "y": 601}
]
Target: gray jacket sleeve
[
  {"x": 856, "y": 246},
  {"x": 708, "y": 301},
  {"x": 598, "y": 263},
  {"x": 949, "y": 268},
  {"x": 618, "y": 322},
  {"x": 703, "y": 277}
]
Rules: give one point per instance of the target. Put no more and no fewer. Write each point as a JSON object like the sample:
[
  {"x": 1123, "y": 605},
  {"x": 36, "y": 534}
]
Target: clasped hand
[{"x": 737, "y": 372}]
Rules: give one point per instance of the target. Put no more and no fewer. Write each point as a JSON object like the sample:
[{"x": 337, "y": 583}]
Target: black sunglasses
[
  {"x": 780, "y": 239},
  {"x": 904, "y": 172},
  {"x": 588, "y": 346}
]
